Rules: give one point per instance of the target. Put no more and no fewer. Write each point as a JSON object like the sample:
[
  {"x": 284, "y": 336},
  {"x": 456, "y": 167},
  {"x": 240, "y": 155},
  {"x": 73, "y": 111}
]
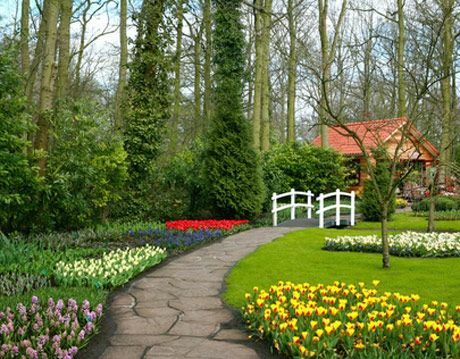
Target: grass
[
  {"x": 298, "y": 257},
  {"x": 407, "y": 221}
]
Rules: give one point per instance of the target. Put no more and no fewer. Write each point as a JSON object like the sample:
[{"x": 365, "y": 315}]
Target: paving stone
[
  {"x": 142, "y": 340},
  {"x": 196, "y": 303},
  {"x": 194, "y": 328},
  {"x": 123, "y": 352},
  {"x": 221, "y": 350},
  {"x": 231, "y": 335},
  {"x": 122, "y": 300}
]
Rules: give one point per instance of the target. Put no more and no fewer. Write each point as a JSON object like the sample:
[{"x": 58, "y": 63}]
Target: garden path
[{"x": 175, "y": 311}]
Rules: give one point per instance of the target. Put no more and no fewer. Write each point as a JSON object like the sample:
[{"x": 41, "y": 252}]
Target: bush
[
  {"x": 86, "y": 169},
  {"x": 401, "y": 203},
  {"x": 440, "y": 204},
  {"x": 18, "y": 180},
  {"x": 302, "y": 167},
  {"x": 340, "y": 320},
  {"x": 18, "y": 283},
  {"x": 453, "y": 215},
  {"x": 371, "y": 207}
]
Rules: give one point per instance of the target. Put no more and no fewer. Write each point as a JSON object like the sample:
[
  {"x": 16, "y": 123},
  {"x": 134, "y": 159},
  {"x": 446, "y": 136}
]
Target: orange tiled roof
[{"x": 372, "y": 133}]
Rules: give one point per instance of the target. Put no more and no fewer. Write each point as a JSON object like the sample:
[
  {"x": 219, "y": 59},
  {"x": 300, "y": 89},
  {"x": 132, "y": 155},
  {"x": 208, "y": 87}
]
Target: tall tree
[
  {"x": 64, "y": 48},
  {"x": 400, "y": 65},
  {"x": 327, "y": 58},
  {"x": 447, "y": 8},
  {"x": 148, "y": 95},
  {"x": 122, "y": 67},
  {"x": 46, "y": 91},
  {"x": 234, "y": 181},
  {"x": 207, "y": 62},
  {"x": 261, "y": 112},
  {"x": 196, "y": 36},
  {"x": 292, "y": 72},
  {"x": 173, "y": 136},
  {"x": 24, "y": 38}
]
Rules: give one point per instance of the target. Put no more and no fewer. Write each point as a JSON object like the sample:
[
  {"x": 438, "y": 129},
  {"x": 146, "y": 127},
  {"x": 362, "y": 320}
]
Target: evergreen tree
[
  {"x": 234, "y": 181},
  {"x": 148, "y": 99}
]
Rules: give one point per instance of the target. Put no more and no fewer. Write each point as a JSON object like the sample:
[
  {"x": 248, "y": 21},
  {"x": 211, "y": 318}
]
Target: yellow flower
[
  {"x": 375, "y": 282},
  {"x": 283, "y": 326},
  {"x": 390, "y": 327},
  {"x": 247, "y": 296},
  {"x": 313, "y": 324},
  {"x": 296, "y": 340},
  {"x": 304, "y": 335},
  {"x": 352, "y": 315},
  {"x": 433, "y": 337},
  {"x": 303, "y": 350},
  {"x": 319, "y": 333},
  {"x": 350, "y": 331},
  {"x": 359, "y": 345}
]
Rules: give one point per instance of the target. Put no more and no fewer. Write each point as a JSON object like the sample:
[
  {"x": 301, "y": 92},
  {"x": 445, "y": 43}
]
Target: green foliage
[
  {"x": 147, "y": 107},
  {"x": 233, "y": 176},
  {"x": 303, "y": 167},
  {"x": 19, "y": 283},
  {"x": 441, "y": 203},
  {"x": 371, "y": 205},
  {"x": 86, "y": 168},
  {"x": 452, "y": 215},
  {"x": 18, "y": 180}
]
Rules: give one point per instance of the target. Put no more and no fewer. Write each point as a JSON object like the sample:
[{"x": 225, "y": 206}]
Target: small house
[{"x": 398, "y": 135}]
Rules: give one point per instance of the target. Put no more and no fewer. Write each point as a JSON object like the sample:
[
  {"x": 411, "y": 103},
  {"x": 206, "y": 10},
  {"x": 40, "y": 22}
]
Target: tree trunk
[
  {"x": 384, "y": 232},
  {"x": 198, "y": 128},
  {"x": 292, "y": 73},
  {"x": 265, "y": 101},
  {"x": 122, "y": 68},
  {"x": 258, "y": 76},
  {"x": 400, "y": 60},
  {"x": 174, "y": 127},
  {"x": 64, "y": 49},
  {"x": 446, "y": 88},
  {"x": 81, "y": 47},
  {"x": 46, "y": 93},
  {"x": 207, "y": 63},
  {"x": 325, "y": 72},
  {"x": 24, "y": 39}
]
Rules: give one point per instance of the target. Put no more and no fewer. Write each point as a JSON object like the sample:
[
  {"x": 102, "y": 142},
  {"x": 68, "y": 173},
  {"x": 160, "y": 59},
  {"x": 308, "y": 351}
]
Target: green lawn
[
  {"x": 298, "y": 257},
  {"x": 405, "y": 221}
]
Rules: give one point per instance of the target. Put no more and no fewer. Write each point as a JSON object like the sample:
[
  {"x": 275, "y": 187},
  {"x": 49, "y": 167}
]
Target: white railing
[
  {"x": 337, "y": 206},
  {"x": 292, "y": 205}
]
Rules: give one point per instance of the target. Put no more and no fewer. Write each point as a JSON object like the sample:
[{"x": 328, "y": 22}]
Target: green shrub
[
  {"x": 370, "y": 206},
  {"x": 18, "y": 179},
  {"x": 20, "y": 283},
  {"x": 453, "y": 215},
  {"x": 401, "y": 203},
  {"x": 86, "y": 169},
  {"x": 440, "y": 203},
  {"x": 304, "y": 168}
]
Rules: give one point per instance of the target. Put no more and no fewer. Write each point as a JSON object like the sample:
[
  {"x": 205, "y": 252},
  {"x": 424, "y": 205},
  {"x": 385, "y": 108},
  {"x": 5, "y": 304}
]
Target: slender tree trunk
[
  {"x": 81, "y": 48},
  {"x": 384, "y": 233},
  {"x": 207, "y": 63},
  {"x": 46, "y": 93},
  {"x": 265, "y": 101},
  {"x": 199, "y": 128},
  {"x": 64, "y": 49},
  {"x": 400, "y": 65},
  {"x": 122, "y": 68},
  {"x": 174, "y": 127},
  {"x": 446, "y": 88},
  {"x": 24, "y": 39},
  {"x": 366, "y": 83},
  {"x": 292, "y": 73},
  {"x": 325, "y": 71},
  {"x": 258, "y": 75}
]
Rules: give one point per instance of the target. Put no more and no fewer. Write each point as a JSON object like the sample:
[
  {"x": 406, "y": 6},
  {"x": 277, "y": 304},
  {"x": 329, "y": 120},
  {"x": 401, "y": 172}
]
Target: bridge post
[
  {"x": 309, "y": 195},
  {"x": 292, "y": 204},
  {"x": 321, "y": 212},
  {"x": 337, "y": 208},
  {"x": 352, "y": 214},
  {"x": 275, "y": 213}
]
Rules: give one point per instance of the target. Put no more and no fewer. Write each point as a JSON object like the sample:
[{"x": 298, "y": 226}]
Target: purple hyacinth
[
  {"x": 21, "y": 309},
  {"x": 34, "y": 299}
]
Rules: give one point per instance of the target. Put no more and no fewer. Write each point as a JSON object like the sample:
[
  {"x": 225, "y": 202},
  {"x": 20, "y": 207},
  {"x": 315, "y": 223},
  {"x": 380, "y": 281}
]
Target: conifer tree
[{"x": 234, "y": 181}]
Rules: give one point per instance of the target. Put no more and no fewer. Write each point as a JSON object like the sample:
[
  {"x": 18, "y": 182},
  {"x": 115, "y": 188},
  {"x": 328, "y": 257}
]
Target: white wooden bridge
[{"x": 322, "y": 221}]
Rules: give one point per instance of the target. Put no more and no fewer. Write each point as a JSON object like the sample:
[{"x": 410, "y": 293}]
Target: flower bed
[
  {"x": 339, "y": 320},
  {"x": 225, "y": 224},
  {"x": 112, "y": 269},
  {"x": 173, "y": 239},
  {"x": 407, "y": 244},
  {"x": 52, "y": 331}
]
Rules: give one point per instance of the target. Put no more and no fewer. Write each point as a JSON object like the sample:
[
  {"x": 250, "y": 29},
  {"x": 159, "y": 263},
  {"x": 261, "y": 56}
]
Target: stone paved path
[{"x": 176, "y": 310}]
